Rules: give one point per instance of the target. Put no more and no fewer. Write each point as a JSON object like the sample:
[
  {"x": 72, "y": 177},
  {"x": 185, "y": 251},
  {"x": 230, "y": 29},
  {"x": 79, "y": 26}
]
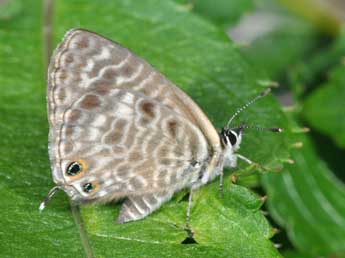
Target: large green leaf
[
  {"x": 323, "y": 108},
  {"x": 193, "y": 54},
  {"x": 308, "y": 201}
]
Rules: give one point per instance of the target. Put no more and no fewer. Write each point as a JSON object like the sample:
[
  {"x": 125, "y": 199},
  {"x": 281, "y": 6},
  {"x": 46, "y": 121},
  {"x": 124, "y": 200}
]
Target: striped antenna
[
  {"x": 238, "y": 111},
  {"x": 258, "y": 128}
]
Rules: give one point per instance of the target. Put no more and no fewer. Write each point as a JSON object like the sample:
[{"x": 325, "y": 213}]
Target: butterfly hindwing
[
  {"x": 138, "y": 207},
  {"x": 130, "y": 144}
]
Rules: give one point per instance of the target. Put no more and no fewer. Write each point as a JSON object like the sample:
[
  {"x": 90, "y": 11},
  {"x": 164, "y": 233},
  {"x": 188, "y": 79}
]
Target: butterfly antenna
[
  {"x": 48, "y": 198},
  {"x": 273, "y": 129},
  {"x": 238, "y": 111}
]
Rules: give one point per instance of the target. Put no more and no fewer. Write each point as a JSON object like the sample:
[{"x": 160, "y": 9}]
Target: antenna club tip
[{"x": 277, "y": 130}]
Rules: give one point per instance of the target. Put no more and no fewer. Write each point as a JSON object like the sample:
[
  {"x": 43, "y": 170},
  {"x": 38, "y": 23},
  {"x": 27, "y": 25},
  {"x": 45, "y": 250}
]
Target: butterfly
[{"x": 119, "y": 129}]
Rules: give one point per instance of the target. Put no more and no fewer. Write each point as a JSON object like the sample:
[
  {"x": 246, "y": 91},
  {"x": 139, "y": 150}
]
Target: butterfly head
[{"x": 232, "y": 137}]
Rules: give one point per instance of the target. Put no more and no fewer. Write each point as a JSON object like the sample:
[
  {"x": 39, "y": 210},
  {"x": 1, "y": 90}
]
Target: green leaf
[
  {"x": 308, "y": 201},
  {"x": 220, "y": 12},
  {"x": 294, "y": 254},
  {"x": 323, "y": 108},
  {"x": 9, "y": 9},
  {"x": 192, "y": 53},
  {"x": 222, "y": 226}
]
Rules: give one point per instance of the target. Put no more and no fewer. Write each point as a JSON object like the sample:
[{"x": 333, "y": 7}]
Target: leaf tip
[
  {"x": 268, "y": 83},
  {"x": 263, "y": 198},
  {"x": 234, "y": 178},
  {"x": 277, "y": 245},
  {"x": 296, "y": 145},
  {"x": 288, "y": 161},
  {"x": 275, "y": 231},
  {"x": 292, "y": 109},
  {"x": 301, "y": 130}
]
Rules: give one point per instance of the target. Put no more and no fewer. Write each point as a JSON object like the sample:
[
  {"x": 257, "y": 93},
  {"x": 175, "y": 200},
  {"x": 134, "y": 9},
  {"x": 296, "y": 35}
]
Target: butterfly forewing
[{"x": 85, "y": 61}]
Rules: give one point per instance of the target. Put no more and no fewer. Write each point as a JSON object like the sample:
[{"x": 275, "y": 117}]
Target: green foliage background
[{"x": 187, "y": 41}]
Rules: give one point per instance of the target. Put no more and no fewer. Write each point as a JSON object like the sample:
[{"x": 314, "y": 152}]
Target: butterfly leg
[
  {"x": 221, "y": 183},
  {"x": 250, "y": 162},
  {"x": 138, "y": 207},
  {"x": 190, "y": 203},
  {"x": 245, "y": 159}
]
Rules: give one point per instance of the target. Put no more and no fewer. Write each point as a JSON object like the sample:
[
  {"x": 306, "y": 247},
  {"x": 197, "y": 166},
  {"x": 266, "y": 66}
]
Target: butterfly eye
[
  {"x": 88, "y": 187},
  {"x": 75, "y": 168},
  {"x": 232, "y": 137}
]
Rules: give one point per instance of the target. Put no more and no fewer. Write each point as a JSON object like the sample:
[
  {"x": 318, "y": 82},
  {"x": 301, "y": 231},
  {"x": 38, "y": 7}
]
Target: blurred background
[
  {"x": 300, "y": 44},
  {"x": 296, "y": 44}
]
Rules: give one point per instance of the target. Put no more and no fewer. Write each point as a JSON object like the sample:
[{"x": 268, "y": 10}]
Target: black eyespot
[
  {"x": 74, "y": 168},
  {"x": 88, "y": 187},
  {"x": 232, "y": 137}
]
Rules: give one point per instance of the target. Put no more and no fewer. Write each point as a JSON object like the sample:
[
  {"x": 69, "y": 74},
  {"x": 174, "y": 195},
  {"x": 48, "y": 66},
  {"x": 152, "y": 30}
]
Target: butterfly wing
[
  {"x": 133, "y": 131},
  {"x": 86, "y": 61},
  {"x": 129, "y": 144}
]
